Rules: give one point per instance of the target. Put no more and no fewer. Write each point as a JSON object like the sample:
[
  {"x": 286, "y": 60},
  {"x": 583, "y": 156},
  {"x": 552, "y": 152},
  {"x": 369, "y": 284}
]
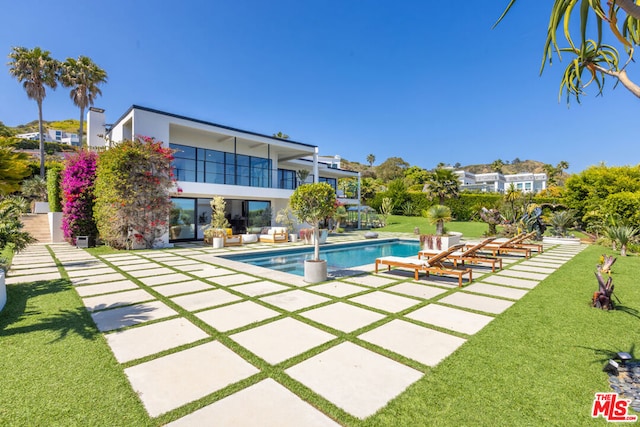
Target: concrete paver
[
  {"x": 107, "y": 301},
  {"x": 112, "y": 277},
  {"x": 511, "y": 281},
  {"x": 134, "y": 343},
  {"x": 103, "y": 288},
  {"x": 182, "y": 288},
  {"x": 494, "y": 290},
  {"x": 338, "y": 289},
  {"x": 108, "y": 320},
  {"x": 385, "y": 301},
  {"x": 477, "y": 302},
  {"x": 343, "y": 317},
  {"x": 233, "y": 279},
  {"x": 171, "y": 381},
  {"x": 236, "y": 315},
  {"x": 354, "y": 379},
  {"x": 164, "y": 279},
  {"x": 278, "y": 341},
  {"x": 416, "y": 290},
  {"x": 451, "y": 318},
  {"x": 206, "y": 299},
  {"x": 260, "y": 288},
  {"x": 265, "y": 404},
  {"x": 294, "y": 300}
]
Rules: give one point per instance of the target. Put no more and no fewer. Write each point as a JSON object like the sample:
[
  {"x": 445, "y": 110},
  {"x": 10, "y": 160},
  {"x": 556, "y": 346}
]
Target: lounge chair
[
  {"x": 469, "y": 254},
  {"x": 275, "y": 235},
  {"x": 433, "y": 265},
  {"x": 533, "y": 246},
  {"x": 505, "y": 247}
]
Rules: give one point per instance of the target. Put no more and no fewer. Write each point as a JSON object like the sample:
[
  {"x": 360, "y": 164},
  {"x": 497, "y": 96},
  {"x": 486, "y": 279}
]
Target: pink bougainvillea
[{"x": 78, "y": 179}]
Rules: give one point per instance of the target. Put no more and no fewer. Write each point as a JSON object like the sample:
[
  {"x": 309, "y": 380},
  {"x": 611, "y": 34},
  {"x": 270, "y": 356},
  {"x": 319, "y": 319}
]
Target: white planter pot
[
  {"x": 315, "y": 271},
  {"x": 41, "y": 207},
  {"x": 3, "y": 291},
  {"x": 55, "y": 227},
  {"x": 293, "y": 237},
  {"x": 218, "y": 242},
  {"x": 450, "y": 240}
]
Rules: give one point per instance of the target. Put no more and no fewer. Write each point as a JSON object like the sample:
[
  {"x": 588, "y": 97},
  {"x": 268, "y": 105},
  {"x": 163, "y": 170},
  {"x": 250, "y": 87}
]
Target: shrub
[
  {"x": 53, "y": 188},
  {"x": 133, "y": 183},
  {"x": 78, "y": 179}
]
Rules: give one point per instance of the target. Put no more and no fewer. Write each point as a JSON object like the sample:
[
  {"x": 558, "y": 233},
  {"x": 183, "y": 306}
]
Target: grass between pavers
[
  {"x": 507, "y": 364},
  {"x": 539, "y": 363},
  {"x": 55, "y": 366}
]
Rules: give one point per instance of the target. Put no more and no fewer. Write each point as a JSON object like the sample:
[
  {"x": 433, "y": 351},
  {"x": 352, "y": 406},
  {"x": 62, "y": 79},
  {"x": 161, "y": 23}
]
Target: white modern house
[
  {"x": 255, "y": 173},
  {"x": 499, "y": 183},
  {"x": 53, "y": 135}
]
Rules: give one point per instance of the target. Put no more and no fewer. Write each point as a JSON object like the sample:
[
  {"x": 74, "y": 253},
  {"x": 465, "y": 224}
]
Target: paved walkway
[{"x": 246, "y": 343}]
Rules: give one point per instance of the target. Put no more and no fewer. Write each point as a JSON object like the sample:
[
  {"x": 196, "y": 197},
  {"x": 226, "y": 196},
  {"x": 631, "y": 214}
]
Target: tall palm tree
[
  {"x": 35, "y": 69},
  {"x": 371, "y": 159},
  {"x": 443, "y": 185},
  {"x": 83, "y": 76}
]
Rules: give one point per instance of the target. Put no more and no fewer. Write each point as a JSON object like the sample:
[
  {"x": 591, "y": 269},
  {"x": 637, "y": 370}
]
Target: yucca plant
[
  {"x": 437, "y": 215},
  {"x": 623, "y": 234}
]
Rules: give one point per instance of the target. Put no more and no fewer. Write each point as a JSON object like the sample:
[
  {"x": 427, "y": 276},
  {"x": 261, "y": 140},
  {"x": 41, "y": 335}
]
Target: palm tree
[
  {"x": 511, "y": 196},
  {"x": 371, "y": 159},
  {"x": 497, "y": 165},
  {"x": 281, "y": 135},
  {"x": 442, "y": 185},
  {"x": 83, "y": 77},
  {"x": 35, "y": 69},
  {"x": 623, "y": 234},
  {"x": 437, "y": 215}
]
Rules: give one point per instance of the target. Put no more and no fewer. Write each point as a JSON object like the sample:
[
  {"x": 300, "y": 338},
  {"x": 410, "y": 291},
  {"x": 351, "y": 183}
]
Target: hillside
[
  {"x": 69, "y": 125},
  {"x": 532, "y": 166}
]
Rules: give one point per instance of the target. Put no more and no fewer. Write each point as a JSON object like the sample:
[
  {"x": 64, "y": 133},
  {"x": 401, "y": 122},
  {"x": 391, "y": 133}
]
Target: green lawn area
[
  {"x": 539, "y": 363},
  {"x": 406, "y": 224}
]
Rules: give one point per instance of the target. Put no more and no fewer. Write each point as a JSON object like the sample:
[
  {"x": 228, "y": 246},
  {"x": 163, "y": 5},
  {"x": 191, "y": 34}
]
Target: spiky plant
[
  {"x": 602, "y": 298},
  {"x": 437, "y": 215},
  {"x": 623, "y": 234},
  {"x": 561, "y": 222}
]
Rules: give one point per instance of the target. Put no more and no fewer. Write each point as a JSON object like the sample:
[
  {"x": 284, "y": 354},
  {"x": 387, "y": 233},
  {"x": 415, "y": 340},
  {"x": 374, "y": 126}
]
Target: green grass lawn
[
  {"x": 539, "y": 363},
  {"x": 406, "y": 224}
]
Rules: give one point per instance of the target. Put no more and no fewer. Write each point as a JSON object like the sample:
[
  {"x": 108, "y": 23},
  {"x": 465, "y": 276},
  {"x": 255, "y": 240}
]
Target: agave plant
[
  {"x": 602, "y": 298},
  {"x": 561, "y": 222},
  {"x": 622, "y": 234}
]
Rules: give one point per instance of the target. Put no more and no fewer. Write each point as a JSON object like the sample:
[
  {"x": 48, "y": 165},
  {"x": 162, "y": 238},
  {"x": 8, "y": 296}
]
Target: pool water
[{"x": 339, "y": 257}]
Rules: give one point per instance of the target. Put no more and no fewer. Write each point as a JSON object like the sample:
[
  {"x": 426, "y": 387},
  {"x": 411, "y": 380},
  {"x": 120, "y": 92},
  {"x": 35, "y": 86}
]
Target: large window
[
  {"x": 218, "y": 167},
  {"x": 331, "y": 181},
  {"x": 286, "y": 179}
]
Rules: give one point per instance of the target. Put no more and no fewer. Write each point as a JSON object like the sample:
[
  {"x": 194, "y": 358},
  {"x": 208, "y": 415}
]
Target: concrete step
[{"x": 38, "y": 226}]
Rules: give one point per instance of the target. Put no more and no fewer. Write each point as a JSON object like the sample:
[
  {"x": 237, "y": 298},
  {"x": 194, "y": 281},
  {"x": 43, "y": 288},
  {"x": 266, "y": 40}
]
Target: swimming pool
[{"x": 338, "y": 256}]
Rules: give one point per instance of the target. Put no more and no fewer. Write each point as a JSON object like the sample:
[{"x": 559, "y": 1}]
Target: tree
[
  {"x": 312, "y": 203},
  {"x": 281, "y": 135},
  {"x": 78, "y": 183},
  {"x": 10, "y": 225},
  {"x": 392, "y": 168},
  {"x": 35, "y": 69},
  {"x": 14, "y": 167},
  {"x": 416, "y": 175},
  {"x": 497, "y": 165},
  {"x": 5, "y": 131},
  {"x": 133, "y": 184},
  {"x": 371, "y": 159},
  {"x": 443, "y": 185},
  {"x": 590, "y": 54},
  {"x": 83, "y": 76}
]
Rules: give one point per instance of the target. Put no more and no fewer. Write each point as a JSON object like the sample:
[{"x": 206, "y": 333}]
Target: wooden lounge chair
[
  {"x": 506, "y": 246},
  {"x": 433, "y": 265},
  {"x": 469, "y": 254},
  {"x": 522, "y": 243}
]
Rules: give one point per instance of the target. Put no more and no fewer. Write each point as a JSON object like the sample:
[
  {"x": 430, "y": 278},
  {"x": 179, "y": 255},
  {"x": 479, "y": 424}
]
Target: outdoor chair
[
  {"x": 469, "y": 254},
  {"x": 506, "y": 246},
  {"x": 275, "y": 235},
  {"x": 433, "y": 265}
]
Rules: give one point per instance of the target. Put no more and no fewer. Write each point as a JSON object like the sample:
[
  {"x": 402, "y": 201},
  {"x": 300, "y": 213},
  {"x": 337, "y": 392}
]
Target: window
[
  {"x": 218, "y": 167},
  {"x": 331, "y": 181},
  {"x": 286, "y": 179}
]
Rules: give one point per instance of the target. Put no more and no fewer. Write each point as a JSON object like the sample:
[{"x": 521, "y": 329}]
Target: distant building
[
  {"x": 53, "y": 135},
  {"x": 499, "y": 183}
]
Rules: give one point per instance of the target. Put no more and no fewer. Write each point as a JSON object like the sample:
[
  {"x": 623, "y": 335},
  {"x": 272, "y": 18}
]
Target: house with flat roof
[
  {"x": 498, "y": 183},
  {"x": 255, "y": 173},
  {"x": 53, "y": 135}
]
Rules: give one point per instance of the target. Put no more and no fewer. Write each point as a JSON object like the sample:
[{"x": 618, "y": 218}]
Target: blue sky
[{"x": 426, "y": 81}]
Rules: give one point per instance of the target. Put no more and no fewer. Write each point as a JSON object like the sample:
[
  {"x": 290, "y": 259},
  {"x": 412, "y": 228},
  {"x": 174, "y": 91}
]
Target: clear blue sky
[{"x": 423, "y": 80}]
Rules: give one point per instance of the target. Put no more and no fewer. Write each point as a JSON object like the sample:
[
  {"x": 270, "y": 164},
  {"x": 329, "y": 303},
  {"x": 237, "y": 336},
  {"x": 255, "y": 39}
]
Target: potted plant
[
  {"x": 285, "y": 217},
  {"x": 437, "y": 215},
  {"x": 312, "y": 203},
  {"x": 219, "y": 223}
]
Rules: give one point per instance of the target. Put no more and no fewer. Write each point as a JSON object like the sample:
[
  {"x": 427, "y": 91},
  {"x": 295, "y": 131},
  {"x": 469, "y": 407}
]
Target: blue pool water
[{"x": 338, "y": 256}]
